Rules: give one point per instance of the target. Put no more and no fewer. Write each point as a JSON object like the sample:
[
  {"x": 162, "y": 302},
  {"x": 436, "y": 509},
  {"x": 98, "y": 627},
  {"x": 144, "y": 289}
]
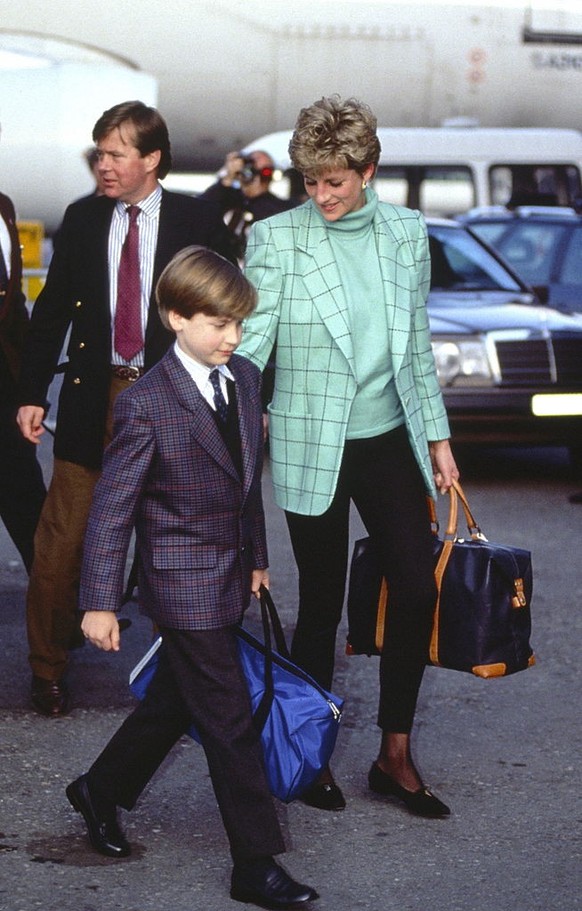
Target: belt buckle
[
  {"x": 126, "y": 372},
  {"x": 133, "y": 373}
]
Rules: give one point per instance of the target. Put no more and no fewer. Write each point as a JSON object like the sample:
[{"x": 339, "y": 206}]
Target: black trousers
[
  {"x": 382, "y": 478},
  {"x": 22, "y": 489},
  {"x": 199, "y": 680}
]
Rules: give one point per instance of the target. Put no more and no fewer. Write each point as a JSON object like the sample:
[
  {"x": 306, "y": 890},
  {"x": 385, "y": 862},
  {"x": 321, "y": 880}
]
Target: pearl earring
[{"x": 364, "y": 184}]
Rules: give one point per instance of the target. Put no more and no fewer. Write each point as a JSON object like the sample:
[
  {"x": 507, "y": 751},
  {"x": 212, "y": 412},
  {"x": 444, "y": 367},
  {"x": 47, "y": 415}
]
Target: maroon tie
[{"x": 128, "y": 331}]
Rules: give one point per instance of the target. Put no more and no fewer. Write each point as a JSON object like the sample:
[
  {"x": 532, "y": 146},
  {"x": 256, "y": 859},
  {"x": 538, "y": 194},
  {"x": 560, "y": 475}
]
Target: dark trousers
[
  {"x": 382, "y": 478},
  {"x": 200, "y": 680},
  {"x": 22, "y": 489}
]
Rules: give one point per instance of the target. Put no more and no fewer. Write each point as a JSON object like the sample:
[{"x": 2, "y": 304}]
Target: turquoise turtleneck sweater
[{"x": 376, "y": 407}]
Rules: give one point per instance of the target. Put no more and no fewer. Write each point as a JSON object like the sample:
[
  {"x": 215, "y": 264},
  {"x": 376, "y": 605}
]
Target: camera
[{"x": 248, "y": 171}]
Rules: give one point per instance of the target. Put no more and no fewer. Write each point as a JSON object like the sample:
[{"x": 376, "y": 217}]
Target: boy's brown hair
[{"x": 198, "y": 280}]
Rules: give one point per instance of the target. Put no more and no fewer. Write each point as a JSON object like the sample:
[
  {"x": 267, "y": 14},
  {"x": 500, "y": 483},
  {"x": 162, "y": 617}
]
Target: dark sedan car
[
  {"x": 510, "y": 368},
  {"x": 544, "y": 246}
]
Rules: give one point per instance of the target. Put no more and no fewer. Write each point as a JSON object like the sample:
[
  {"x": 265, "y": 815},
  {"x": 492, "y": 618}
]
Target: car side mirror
[{"x": 542, "y": 292}]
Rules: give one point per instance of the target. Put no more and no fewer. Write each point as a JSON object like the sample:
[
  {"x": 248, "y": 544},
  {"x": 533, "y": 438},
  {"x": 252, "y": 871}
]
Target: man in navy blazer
[
  {"x": 22, "y": 488},
  {"x": 80, "y": 295},
  {"x": 184, "y": 469}
]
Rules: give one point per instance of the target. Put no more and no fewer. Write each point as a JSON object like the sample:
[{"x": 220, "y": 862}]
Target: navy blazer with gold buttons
[{"x": 76, "y": 296}]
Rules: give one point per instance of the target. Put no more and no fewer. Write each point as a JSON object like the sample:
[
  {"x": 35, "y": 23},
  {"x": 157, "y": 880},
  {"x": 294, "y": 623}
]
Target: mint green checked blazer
[{"x": 302, "y": 307}]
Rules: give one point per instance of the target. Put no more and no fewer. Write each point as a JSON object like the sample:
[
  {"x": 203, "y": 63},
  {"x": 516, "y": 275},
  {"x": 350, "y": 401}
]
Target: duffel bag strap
[{"x": 271, "y": 623}]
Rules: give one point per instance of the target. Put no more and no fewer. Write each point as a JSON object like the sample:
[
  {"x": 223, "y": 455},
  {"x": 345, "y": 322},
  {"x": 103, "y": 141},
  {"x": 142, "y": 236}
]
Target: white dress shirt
[
  {"x": 200, "y": 373},
  {"x": 148, "y": 223}
]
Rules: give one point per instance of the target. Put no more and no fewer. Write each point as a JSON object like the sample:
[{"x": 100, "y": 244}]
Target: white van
[{"x": 445, "y": 171}]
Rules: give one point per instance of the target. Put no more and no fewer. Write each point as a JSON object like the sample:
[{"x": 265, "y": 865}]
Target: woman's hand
[{"x": 444, "y": 467}]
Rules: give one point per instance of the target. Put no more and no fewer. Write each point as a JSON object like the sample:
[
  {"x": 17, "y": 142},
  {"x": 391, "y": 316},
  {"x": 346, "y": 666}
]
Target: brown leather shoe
[{"x": 50, "y": 697}]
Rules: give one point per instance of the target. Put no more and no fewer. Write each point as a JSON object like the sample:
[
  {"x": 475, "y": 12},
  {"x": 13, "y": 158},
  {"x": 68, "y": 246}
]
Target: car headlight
[{"x": 462, "y": 362}]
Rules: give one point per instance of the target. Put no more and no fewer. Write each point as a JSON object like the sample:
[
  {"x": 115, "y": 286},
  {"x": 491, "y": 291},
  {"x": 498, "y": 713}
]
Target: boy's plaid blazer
[{"x": 200, "y": 528}]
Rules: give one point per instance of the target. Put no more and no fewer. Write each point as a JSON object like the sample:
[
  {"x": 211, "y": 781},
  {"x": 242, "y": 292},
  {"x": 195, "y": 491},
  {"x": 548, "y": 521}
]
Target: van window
[
  {"x": 542, "y": 185},
  {"x": 437, "y": 191}
]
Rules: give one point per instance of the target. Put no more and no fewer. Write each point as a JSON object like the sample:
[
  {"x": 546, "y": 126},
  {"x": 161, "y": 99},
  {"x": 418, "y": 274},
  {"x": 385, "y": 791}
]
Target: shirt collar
[
  {"x": 200, "y": 372},
  {"x": 150, "y": 206}
]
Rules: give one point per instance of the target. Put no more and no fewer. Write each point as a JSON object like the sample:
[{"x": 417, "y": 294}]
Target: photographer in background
[{"x": 243, "y": 196}]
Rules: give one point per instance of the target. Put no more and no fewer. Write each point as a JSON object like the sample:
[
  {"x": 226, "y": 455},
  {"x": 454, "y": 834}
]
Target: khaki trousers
[{"x": 53, "y": 590}]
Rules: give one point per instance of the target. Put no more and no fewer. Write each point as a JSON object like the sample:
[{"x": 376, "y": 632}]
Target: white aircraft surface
[{"x": 227, "y": 71}]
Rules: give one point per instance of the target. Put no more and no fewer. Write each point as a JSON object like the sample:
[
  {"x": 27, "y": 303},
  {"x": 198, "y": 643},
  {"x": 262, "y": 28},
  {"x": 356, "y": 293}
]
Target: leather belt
[{"x": 124, "y": 372}]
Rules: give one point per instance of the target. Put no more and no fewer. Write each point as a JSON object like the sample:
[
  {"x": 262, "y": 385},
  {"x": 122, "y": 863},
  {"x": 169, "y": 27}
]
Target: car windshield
[
  {"x": 572, "y": 265},
  {"x": 529, "y": 246},
  {"x": 459, "y": 262}
]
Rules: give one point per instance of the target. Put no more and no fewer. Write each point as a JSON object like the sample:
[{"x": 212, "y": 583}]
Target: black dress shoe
[
  {"x": 421, "y": 802},
  {"x": 266, "y": 884},
  {"x": 324, "y": 797},
  {"x": 104, "y": 832},
  {"x": 49, "y": 697}
]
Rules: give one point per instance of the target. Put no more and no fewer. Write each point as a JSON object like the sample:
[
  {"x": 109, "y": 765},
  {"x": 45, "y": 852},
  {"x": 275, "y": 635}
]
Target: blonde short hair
[
  {"x": 198, "y": 280},
  {"x": 335, "y": 133}
]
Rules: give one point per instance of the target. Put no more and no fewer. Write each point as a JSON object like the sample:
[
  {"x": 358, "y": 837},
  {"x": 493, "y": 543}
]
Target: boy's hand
[
  {"x": 260, "y": 577},
  {"x": 101, "y": 628}
]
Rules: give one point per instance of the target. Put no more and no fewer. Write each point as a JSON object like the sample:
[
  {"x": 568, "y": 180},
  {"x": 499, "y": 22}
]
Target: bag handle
[
  {"x": 271, "y": 624},
  {"x": 271, "y": 621},
  {"x": 456, "y": 493}
]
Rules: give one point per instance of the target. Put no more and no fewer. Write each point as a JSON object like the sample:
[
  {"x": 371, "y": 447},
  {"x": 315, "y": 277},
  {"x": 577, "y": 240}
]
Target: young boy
[{"x": 184, "y": 468}]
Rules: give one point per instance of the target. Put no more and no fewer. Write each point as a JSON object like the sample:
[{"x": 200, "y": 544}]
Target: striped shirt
[
  {"x": 5, "y": 244},
  {"x": 148, "y": 222}
]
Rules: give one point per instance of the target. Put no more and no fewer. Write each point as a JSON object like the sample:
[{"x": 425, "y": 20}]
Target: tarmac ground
[{"x": 503, "y": 753}]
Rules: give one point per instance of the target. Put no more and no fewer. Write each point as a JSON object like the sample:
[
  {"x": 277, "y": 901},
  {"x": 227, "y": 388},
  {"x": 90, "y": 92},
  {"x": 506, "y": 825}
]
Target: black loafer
[
  {"x": 266, "y": 884},
  {"x": 420, "y": 802},
  {"x": 324, "y": 797},
  {"x": 103, "y": 830}
]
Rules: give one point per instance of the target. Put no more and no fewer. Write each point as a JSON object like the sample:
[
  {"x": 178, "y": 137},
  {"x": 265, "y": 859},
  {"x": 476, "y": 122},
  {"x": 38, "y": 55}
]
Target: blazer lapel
[
  {"x": 98, "y": 228},
  {"x": 317, "y": 264},
  {"x": 203, "y": 426},
  {"x": 248, "y": 430},
  {"x": 396, "y": 267}
]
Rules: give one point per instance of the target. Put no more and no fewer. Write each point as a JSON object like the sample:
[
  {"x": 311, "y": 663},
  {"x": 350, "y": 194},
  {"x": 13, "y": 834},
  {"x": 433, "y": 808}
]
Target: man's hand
[
  {"x": 231, "y": 170},
  {"x": 101, "y": 628},
  {"x": 29, "y": 419},
  {"x": 260, "y": 577}
]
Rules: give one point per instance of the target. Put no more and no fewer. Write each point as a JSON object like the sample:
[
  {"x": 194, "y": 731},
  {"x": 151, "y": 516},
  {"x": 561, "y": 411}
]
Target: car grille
[{"x": 551, "y": 361}]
